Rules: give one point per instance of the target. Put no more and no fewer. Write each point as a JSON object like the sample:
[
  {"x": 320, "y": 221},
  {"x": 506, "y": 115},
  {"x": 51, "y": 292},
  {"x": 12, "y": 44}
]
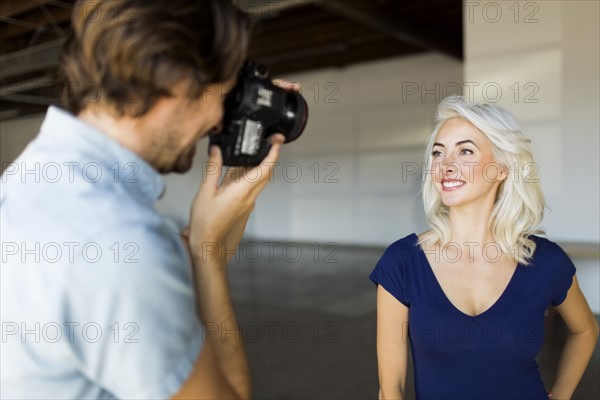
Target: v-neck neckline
[{"x": 441, "y": 290}]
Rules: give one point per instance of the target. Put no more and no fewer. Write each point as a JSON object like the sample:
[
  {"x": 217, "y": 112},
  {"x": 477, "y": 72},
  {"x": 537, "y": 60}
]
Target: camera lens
[
  {"x": 254, "y": 110},
  {"x": 297, "y": 116},
  {"x": 261, "y": 72}
]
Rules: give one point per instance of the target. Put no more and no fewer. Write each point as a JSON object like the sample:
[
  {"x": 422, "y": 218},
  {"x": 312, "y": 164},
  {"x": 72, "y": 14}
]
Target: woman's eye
[
  {"x": 436, "y": 153},
  {"x": 466, "y": 151}
]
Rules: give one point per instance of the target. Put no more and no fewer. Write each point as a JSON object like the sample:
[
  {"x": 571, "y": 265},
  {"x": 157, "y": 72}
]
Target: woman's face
[{"x": 463, "y": 165}]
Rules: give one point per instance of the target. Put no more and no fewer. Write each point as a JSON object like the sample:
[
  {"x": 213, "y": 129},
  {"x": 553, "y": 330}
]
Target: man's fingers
[
  {"x": 267, "y": 166},
  {"x": 295, "y": 86},
  {"x": 273, "y": 155},
  {"x": 276, "y": 138},
  {"x": 250, "y": 181},
  {"x": 234, "y": 174},
  {"x": 214, "y": 167}
]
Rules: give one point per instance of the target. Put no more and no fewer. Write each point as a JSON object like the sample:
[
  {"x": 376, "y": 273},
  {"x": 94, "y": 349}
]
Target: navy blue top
[{"x": 488, "y": 356}]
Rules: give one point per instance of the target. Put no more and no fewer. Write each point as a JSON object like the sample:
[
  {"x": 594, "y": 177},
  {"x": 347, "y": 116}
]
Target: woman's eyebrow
[
  {"x": 466, "y": 141},
  {"x": 457, "y": 143}
]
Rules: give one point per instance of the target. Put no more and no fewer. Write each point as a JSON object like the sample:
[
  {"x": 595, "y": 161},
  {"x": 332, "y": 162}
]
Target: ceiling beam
[
  {"x": 376, "y": 17},
  {"x": 28, "y": 99},
  {"x": 357, "y": 53},
  {"x": 24, "y": 86},
  {"x": 31, "y": 59},
  {"x": 10, "y": 8},
  {"x": 45, "y": 19},
  {"x": 266, "y": 9},
  {"x": 17, "y": 110}
]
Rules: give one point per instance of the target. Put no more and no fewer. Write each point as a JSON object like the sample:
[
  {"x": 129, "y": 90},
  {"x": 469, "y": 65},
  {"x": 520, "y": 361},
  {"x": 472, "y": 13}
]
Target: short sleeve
[
  {"x": 132, "y": 306},
  {"x": 562, "y": 278},
  {"x": 389, "y": 272}
]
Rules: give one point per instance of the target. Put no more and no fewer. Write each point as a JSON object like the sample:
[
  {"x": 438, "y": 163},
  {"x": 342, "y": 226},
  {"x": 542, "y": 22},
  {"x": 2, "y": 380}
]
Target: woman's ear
[{"x": 503, "y": 174}]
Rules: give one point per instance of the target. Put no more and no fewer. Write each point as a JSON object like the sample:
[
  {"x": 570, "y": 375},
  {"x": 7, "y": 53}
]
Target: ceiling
[{"x": 290, "y": 36}]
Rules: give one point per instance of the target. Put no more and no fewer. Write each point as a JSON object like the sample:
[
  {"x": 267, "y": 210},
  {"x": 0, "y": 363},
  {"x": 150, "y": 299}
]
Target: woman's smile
[{"x": 452, "y": 184}]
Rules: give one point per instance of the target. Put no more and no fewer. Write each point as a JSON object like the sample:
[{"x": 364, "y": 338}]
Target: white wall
[
  {"x": 548, "y": 53},
  {"x": 368, "y": 123}
]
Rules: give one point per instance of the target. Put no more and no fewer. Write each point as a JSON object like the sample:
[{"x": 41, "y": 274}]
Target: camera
[{"x": 254, "y": 110}]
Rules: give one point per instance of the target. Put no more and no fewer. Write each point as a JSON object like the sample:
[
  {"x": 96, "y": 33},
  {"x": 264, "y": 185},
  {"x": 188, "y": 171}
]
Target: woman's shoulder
[
  {"x": 550, "y": 258},
  {"x": 403, "y": 247},
  {"x": 405, "y": 242},
  {"x": 546, "y": 248}
]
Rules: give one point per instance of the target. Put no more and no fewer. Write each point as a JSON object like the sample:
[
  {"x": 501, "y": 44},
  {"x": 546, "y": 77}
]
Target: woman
[{"x": 470, "y": 293}]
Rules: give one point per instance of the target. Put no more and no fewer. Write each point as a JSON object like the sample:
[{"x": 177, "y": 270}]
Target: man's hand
[
  {"x": 221, "y": 209},
  {"x": 218, "y": 218}
]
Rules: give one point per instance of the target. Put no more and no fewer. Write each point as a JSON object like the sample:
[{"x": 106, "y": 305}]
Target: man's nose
[{"x": 217, "y": 128}]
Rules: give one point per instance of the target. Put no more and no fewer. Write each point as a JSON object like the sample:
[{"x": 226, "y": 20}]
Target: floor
[{"x": 308, "y": 316}]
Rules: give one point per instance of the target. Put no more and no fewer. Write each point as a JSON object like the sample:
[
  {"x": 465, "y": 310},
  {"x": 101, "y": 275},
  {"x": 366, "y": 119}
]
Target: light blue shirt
[{"x": 96, "y": 288}]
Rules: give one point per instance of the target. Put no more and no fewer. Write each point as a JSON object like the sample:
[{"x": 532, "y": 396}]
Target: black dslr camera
[{"x": 254, "y": 110}]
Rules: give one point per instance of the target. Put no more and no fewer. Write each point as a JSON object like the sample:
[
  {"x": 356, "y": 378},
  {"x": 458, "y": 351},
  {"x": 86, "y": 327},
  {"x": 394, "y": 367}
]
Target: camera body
[{"x": 254, "y": 110}]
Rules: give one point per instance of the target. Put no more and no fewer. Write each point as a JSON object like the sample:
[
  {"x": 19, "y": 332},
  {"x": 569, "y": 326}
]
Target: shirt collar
[{"x": 82, "y": 137}]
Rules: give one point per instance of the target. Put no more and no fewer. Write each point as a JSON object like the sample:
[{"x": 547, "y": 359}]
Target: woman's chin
[{"x": 453, "y": 201}]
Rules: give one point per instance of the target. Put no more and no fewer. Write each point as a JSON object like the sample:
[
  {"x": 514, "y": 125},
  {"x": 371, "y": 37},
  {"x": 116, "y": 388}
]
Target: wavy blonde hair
[{"x": 519, "y": 204}]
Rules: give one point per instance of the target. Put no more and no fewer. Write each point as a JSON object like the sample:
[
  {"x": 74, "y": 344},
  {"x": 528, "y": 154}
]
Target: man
[{"x": 100, "y": 297}]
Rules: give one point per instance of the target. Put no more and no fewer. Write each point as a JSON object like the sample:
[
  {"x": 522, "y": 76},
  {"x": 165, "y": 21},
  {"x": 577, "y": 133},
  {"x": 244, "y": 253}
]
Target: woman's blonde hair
[{"x": 519, "y": 204}]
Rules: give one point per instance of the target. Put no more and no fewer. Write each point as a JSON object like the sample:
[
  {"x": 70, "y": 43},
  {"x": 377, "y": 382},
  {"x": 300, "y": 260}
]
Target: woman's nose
[{"x": 450, "y": 168}]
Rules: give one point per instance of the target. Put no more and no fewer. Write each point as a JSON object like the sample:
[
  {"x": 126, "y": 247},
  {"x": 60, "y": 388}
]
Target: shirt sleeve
[
  {"x": 131, "y": 303},
  {"x": 562, "y": 275},
  {"x": 389, "y": 272}
]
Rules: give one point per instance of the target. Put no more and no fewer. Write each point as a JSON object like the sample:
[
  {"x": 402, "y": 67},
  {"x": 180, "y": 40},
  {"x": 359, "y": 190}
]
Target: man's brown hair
[{"x": 126, "y": 54}]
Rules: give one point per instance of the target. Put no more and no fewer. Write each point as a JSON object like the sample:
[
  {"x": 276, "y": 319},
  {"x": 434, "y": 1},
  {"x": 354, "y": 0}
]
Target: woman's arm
[
  {"x": 392, "y": 345},
  {"x": 582, "y": 338}
]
